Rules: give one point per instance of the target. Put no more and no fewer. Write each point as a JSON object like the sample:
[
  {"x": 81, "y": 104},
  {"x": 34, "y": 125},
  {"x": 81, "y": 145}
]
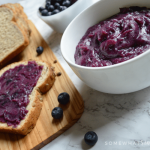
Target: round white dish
[
  {"x": 60, "y": 21},
  {"x": 126, "y": 77}
]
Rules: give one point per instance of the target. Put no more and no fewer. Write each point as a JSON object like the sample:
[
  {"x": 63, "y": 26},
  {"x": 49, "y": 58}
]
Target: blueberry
[
  {"x": 60, "y": 8},
  {"x": 47, "y": 5},
  {"x": 49, "y": 13},
  {"x": 53, "y": 2},
  {"x": 57, "y": 5},
  {"x": 50, "y": 8},
  {"x": 55, "y": 11},
  {"x": 90, "y": 138},
  {"x": 73, "y": 1},
  {"x": 41, "y": 9},
  {"x": 44, "y": 12},
  {"x": 64, "y": 7},
  {"x": 59, "y": 1},
  {"x": 66, "y": 3},
  {"x": 63, "y": 98},
  {"x": 40, "y": 49},
  {"x": 57, "y": 113}
]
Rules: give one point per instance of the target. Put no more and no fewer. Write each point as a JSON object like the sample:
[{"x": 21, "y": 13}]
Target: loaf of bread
[
  {"x": 43, "y": 84},
  {"x": 14, "y": 32}
]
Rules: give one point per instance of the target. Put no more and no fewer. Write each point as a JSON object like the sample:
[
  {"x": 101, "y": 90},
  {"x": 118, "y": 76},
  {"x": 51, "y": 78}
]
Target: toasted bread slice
[
  {"x": 44, "y": 83},
  {"x": 12, "y": 37}
]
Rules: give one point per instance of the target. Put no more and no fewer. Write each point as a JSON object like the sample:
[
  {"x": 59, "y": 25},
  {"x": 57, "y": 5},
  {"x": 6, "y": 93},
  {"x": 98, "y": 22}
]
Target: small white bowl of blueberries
[{"x": 59, "y": 13}]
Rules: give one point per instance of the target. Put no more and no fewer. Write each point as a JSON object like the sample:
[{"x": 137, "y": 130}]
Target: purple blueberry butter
[
  {"x": 15, "y": 87},
  {"x": 116, "y": 39}
]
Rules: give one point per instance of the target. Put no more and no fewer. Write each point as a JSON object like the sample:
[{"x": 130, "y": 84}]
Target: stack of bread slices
[
  {"x": 14, "y": 31},
  {"x": 14, "y": 38}
]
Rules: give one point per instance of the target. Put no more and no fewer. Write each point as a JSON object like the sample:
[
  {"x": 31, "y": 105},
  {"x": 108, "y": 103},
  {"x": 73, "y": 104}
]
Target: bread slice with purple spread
[{"x": 21, "y": 86}]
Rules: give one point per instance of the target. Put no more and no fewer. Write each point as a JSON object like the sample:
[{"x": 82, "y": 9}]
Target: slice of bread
[
  {"x": 44, "y": 83},
  {"x": 20, "y": 15},
  {"x": 12, "y": 37},
  {"x": 19, "y": 20}
]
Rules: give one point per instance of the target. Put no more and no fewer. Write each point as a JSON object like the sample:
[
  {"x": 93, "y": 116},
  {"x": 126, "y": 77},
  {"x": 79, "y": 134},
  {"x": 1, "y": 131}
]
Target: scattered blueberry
[
  {"x": 57, "y": 113},
  {"x": 40, "y": 49},
  {"x": 50, "y": 8},
  {"x": 66, "y": 3},
  {"x": 57, "y": 5},
  {"x": 90, "y": 138},
  {"x": 55, "y": 11},
  {"x": 41, "y": 9},
  {"x": 63, "y": 98},
  {"x": 44, "y": 12}
]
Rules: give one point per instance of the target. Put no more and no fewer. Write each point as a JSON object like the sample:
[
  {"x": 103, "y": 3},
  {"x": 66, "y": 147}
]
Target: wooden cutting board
[{"x": 46, "y": 128}]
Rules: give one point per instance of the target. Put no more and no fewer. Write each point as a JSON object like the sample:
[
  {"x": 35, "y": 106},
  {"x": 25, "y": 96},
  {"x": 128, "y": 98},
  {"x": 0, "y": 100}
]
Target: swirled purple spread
[
  {"x": 116, "y": 39},
  {"x": 15, "y": 87}
]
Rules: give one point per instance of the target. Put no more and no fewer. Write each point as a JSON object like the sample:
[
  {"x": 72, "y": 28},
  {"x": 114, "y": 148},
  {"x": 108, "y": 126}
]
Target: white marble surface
[{"x": 122, "y": 122}]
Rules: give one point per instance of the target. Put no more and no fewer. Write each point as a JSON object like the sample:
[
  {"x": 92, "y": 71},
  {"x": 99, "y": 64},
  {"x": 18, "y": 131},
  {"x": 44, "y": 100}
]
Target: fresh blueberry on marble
[
  {"x": 57, "y": 113},
  {"x": 63, "y": 98},
  {"x": 39, "y": 50},
  {"x": 90, "y": 138}
]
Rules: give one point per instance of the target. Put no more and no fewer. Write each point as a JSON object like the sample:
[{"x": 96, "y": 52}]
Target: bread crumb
[
  {"x": 41, "y": 99},
  {"x": 33, "y": 105},
  {"x": 58, "y": 73},
  {"x": 55, "y": 61},
  {"x": 54, "y": 74},
  {"x": 53, "y": 68}
]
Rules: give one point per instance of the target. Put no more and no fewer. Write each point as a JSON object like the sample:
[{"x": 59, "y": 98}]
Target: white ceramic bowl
[
  {"x": 60, "y": 21},
  {"x": 126, "y": 77}
]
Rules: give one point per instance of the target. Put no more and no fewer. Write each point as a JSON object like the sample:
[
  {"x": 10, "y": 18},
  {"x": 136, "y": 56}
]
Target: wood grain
[{"x": 46, "y": 128}]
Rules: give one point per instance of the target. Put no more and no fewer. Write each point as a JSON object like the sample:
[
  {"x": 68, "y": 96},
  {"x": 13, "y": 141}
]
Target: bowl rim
[
  {"x": 58, "y": 14},
  {"x": 96, "y": 68}
]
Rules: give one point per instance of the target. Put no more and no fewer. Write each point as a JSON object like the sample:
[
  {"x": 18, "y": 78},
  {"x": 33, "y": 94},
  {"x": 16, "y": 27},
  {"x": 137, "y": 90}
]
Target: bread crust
[{"x": 36, "y": 100}]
